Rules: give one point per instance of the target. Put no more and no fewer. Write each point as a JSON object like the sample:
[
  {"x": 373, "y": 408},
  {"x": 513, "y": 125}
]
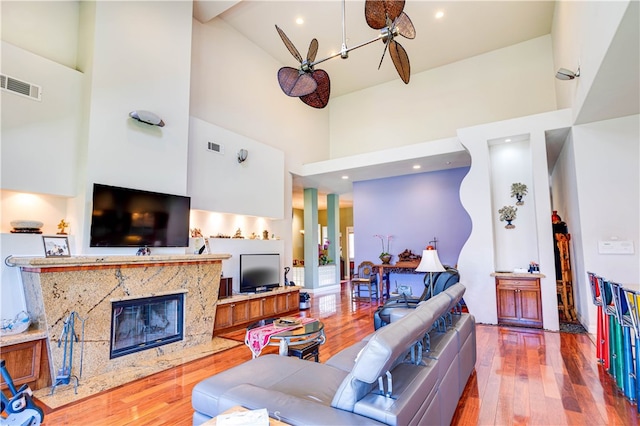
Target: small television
[
  {"x": 124, "y": 217},
  {"x": 259, "y": 272}
]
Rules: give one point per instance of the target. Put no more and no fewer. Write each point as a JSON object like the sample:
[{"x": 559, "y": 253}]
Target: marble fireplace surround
[{"x": 54, "y": 287}]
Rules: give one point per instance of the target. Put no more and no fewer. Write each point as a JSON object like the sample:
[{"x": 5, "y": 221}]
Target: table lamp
[{"x": 430, "y": 263}]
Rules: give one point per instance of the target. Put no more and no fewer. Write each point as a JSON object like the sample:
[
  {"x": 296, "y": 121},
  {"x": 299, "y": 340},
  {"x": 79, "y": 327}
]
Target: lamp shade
[{"x": 430, "y": 262}]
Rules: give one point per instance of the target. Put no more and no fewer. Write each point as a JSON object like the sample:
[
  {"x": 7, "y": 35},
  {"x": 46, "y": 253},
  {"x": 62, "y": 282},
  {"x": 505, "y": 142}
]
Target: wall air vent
[
  {"x": 19, "y": 87},
  {"x": 215, "y": 147}
]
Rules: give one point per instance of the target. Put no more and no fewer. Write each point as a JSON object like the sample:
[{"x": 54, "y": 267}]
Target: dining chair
[
  {"x": 364, "y": 286},
  {"x": 633, "y": 301}
]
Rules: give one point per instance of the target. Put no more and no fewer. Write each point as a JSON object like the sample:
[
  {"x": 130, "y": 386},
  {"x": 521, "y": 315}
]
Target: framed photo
[{"x": 56, "y": 246}]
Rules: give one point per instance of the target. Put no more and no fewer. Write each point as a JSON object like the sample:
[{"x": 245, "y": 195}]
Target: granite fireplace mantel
[{"x": 87, "y": 285}]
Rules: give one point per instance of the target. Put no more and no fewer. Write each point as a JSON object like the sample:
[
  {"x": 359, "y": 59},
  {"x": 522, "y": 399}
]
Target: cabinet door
[
  {"x": 269, "y": 306},
  {"x": 224, "y": 316},
  {"x": 507, "y": 304},
  {"x": 530, "y": 306},
  {"x": 23, "y": 362},
  {"x": 281, "y": 303},
  {"x": 240, "y": 313},
  {"x": 255, "y": 309}
]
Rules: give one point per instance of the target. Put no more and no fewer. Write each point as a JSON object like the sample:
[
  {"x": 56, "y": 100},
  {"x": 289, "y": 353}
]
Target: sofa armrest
[{"x": 289, "y": 408}]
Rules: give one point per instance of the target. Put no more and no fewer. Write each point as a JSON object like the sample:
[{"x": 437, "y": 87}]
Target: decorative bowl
[{"x": 19, "y": 324}]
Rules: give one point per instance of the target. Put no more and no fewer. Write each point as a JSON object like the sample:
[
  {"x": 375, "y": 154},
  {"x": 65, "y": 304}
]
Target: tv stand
[{"x": 238, "y": 311}]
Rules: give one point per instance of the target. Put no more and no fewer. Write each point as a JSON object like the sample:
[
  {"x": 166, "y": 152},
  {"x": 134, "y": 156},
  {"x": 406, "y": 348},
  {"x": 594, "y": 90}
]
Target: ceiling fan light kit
[{"x": 313, "y": 86}]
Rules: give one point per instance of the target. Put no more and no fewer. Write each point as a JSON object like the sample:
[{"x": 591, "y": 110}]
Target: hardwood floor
[{"x": 522, "y": 376}]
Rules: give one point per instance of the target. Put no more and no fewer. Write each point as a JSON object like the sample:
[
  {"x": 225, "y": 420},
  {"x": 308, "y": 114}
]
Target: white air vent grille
[
  {"x": 19, "y": 87},
  {"x": 215, "y": 147}
]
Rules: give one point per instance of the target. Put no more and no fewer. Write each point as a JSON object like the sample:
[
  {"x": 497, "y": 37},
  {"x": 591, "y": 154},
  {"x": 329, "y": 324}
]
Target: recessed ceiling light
[
  {"x": 299, "y": 21},
  {"x": 507, "y": 140},
  {"x": 439, "y": 14},
  {"x": 416, "y": 166},
  {"x": 345, "y": 177}
]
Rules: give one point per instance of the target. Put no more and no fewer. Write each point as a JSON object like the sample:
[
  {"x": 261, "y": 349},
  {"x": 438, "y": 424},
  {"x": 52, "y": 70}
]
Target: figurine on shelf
[
  {"x": 238, "y": 234},
  {"x": 196, "y": 233},
  {"x": 62, "y": 226},
  {"x": 265, "y": 235}
]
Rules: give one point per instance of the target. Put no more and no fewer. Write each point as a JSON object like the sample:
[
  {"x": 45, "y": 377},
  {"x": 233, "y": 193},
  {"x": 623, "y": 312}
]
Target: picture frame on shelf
[{"x": 56, "y": 246}]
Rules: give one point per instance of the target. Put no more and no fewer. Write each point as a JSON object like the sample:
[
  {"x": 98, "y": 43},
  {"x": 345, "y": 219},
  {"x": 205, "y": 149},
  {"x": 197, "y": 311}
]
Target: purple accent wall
[{"x": 413, "y": 209}]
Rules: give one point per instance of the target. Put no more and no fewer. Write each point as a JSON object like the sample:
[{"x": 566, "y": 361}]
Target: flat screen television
[
  {"x": 259, "y": 272},
  {"x": 124, "y": 217}
]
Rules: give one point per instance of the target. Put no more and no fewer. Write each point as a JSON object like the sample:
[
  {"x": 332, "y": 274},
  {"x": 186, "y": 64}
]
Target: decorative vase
[
  {"x": 519, "y": 198},
  {"x": 385, "y": 259},
  {"x": 509, "y": 225}
]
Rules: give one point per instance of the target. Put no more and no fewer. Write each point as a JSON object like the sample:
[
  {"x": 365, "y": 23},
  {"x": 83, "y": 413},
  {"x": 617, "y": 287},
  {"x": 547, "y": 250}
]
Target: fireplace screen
[{"x": 141, "y": 324}]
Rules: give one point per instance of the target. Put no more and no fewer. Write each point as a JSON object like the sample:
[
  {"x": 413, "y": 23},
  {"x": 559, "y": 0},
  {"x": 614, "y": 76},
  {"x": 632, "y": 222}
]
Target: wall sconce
[
  {"x": 147, "y": 117},
  {"x": 565, "y": 74},
  {"x": 242, "y": 155}
]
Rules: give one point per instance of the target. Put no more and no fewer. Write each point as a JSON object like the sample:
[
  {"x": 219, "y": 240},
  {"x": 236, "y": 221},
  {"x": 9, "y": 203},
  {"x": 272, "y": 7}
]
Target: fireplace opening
[{"x": 140, "y": 324}]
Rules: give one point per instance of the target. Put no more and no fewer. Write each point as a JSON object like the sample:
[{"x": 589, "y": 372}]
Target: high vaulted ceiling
[
  {"x": 466, "y": 29},
  {"x": 439, "y": 41}
]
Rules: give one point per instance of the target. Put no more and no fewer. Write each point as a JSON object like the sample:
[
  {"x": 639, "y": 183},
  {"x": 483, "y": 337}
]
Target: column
[
  {"x": 333, "y": 230},
  {"x": 311, "y": 238}
]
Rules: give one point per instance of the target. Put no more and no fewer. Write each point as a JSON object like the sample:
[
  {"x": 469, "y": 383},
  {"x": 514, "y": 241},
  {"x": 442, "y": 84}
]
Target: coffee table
[{"x": 310, "y": 332}]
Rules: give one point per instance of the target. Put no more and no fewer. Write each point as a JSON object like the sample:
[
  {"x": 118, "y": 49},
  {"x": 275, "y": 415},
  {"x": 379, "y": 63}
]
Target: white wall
[
  {"x": 141, "y": 60},
  {"x": 512, "y": 82},
  {"x": 40, "y": 138},
  {"x": 582, "y": 32},
  {"x": 477, "y": 260},
  {"x": 217, "y": 182},
  {"x": 45, "y": 28},
  {"x": 516, "y": 247},
  {"x": 596, "y": 183}
]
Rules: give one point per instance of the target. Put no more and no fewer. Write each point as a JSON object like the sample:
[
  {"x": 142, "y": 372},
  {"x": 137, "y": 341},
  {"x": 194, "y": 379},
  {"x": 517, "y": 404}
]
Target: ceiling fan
[{"x": 313, "y": 87}]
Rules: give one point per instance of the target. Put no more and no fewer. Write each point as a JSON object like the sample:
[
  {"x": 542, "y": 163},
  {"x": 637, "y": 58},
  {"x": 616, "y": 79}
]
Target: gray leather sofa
[{"x": 409, "y": 372}]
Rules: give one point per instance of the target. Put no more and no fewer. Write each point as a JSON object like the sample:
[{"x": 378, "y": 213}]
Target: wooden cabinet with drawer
[
  {"x": 519, "y": 301},
  {"x": 239, "y": 311}
]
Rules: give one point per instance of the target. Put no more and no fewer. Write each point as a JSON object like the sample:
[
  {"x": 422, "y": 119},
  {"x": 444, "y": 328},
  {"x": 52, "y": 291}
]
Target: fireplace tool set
[
  {"x": 68, "y": 336},
  {"x": 20, "y": 408}
]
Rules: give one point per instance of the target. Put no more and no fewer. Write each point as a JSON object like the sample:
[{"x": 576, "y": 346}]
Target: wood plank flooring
[{"x": 522, "y": 377}]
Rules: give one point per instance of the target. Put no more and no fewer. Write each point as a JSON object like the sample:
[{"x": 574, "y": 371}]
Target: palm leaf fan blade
[
  {"x": 405, "y": 26},
  {"x": 400, "y": 60},
  {"x": 377, "y": 11},
  {"x": 295, "y": 84},
  {"x": 319, "y": 98},
  {"x": 313, "y": 50},
  {"x": 289, "y": 45}
]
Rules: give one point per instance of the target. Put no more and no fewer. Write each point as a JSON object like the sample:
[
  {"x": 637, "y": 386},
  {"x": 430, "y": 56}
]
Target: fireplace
[{"x": 145, "y": 323}]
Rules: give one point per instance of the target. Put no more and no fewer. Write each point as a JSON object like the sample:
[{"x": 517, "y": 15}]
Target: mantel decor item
[
  {"x": 518, "y": 190},
  {"x": 62, "y": 226},
  {"x": 508, "y": 214},
  {"x": 385, "y": 256},
  {"x": 56, "y": 246}
]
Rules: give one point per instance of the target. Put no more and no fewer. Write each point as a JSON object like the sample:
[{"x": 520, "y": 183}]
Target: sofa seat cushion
[
  {"x": 289, "y": 408},
  {"x": 303, "y": 379}
]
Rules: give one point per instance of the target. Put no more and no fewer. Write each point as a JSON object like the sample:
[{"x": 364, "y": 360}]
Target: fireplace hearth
[{"x": 145, "y": 323}]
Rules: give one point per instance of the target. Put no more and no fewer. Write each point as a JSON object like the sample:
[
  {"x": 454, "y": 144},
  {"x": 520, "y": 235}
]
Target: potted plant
[
  {"x": 385, "y": 256},
  {"x": 508, "y": 214},
  {"x": 518, "y": 190}
]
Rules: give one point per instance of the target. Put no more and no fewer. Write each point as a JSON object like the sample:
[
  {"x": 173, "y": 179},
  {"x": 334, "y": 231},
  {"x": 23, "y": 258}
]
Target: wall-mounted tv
[
  {"x": 259, "y": 272},
  {"x": 124, "y": 217}
]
